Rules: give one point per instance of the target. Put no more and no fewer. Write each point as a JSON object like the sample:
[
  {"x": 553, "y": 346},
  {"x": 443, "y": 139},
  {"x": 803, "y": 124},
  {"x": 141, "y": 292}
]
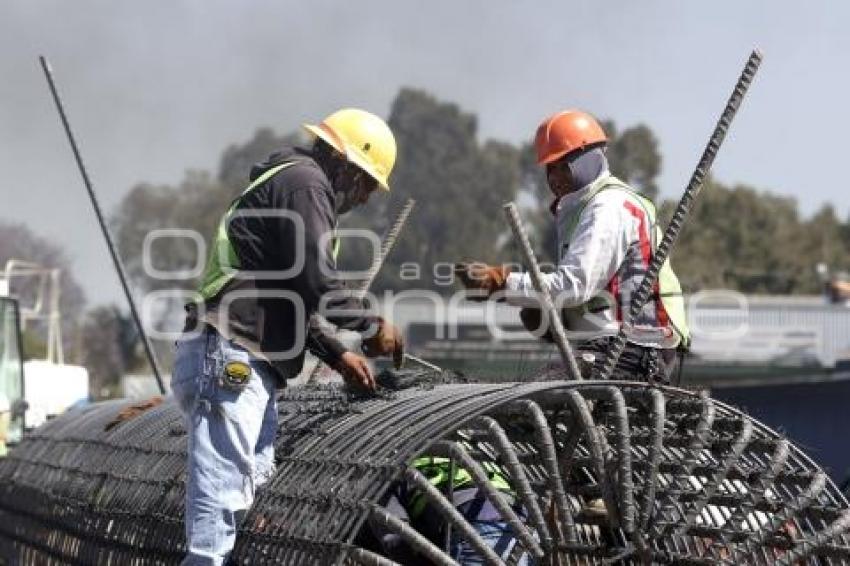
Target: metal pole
[
  {"x": 606, "y": 365},
  {"x": 116, "y": 260},
  {"x": 387, "y": 244},
  {"x": 421, "y": 362},
  {"x": 557, "y": 326}
]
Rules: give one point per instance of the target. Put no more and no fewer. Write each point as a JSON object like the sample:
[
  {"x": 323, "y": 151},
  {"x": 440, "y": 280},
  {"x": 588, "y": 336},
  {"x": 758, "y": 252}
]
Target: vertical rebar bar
[
  {"x": 548, "y": 305},
  {"x": 387, "y": 244},
  {"x": 113, "y": 252},
  {"x": 606, "y": 365}
]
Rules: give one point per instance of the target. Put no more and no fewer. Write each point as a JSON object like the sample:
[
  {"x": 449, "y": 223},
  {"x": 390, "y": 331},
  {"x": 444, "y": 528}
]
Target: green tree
[
  {"x": 111, "y": 349},
  {"x": 458, "y": 182},
  {"x": 196, "y": 204},
  {"x": 237, "y": 159},
  {"x": 633, "y": 156},
  {"x": 742, "y": 239}
]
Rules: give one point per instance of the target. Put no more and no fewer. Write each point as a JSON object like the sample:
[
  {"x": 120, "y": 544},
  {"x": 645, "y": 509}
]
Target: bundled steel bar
[
  {"x": 113, "y": 252},
  {"x": 546, "y": 445},
  {"x": 656, "y": 427},
  {"x": 606, "y": 365},
  {"x": 760, "y": 486},
  {"x": 557, "y": 326},
  {"x": 594, "y": 442},
  {"x": 620, "y": 468},
  {"x": 75, "y": 492},
  {"x": 689, "y": 460}
]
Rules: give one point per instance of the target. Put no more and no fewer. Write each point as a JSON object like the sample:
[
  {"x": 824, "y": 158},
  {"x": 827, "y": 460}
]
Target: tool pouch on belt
[
  {"x": 235, "y": 375},
  {"x": 636, "y": 363}
]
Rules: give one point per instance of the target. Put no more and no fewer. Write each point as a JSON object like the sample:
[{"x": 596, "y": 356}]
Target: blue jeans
[
  {"x": 231, "y": 441},
  {"x": 498, "y": 536}
]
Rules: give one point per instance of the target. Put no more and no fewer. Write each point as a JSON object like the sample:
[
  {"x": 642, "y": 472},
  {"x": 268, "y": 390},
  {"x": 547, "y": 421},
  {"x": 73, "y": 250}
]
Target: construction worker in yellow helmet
[
  {"x": 272, "y": 261},
  {"x": 606, "y": 235}
]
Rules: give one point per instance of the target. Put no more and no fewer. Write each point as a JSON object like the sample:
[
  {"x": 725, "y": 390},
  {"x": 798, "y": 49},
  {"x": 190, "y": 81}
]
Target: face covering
[
  {"x": 586, "y": 167},
  {"x": 344, "y": 201}
]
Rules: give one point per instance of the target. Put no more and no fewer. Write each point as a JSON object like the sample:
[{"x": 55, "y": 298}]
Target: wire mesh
[{"x": 599, "y": 472}]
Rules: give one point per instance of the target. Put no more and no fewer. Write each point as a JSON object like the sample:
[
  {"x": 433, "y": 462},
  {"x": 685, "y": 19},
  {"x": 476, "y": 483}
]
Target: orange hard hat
[{"x": 565, "y": 132}]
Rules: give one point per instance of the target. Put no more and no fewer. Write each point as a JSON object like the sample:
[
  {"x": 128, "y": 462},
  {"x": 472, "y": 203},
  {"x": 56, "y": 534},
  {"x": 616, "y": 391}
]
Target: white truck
[{"x": 35, "y": 390}]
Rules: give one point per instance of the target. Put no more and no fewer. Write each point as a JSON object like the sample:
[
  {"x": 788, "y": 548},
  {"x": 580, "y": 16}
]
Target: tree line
[{"x": 739, "y": 237}]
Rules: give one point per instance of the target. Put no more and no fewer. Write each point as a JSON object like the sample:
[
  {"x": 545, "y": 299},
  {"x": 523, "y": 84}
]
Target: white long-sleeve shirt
[{"x": 613, "y": 228}]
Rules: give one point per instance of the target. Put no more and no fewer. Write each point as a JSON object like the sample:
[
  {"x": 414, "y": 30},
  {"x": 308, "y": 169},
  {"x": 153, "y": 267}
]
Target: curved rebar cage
[{"x": 589, "y": 473}]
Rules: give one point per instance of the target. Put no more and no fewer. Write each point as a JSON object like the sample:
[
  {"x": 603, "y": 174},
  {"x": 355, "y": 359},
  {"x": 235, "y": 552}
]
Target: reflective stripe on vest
[
  {"x": 438, "y": 470},
  {"x": 670, "y": 304},
  {"x": 222, "y": 262}
]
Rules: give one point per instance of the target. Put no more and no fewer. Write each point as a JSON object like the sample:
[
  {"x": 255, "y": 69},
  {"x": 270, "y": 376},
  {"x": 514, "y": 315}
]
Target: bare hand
[{"x": 355, "y": 371}]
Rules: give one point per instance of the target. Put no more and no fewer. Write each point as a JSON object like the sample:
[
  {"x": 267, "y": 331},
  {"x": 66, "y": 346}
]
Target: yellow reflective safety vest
[
  {"x": 223, "y": 262},
  {"x": 666, "y": 307},
  {"x": 438, "y": 472}
]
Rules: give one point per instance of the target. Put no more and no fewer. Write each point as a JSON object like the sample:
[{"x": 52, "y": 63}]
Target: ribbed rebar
[
  {"x": 387, "y": 245},
  {"x": 709, "y": 484},
  {"x": 557, "y": 326},
  {"x": 606, "y": 365}
]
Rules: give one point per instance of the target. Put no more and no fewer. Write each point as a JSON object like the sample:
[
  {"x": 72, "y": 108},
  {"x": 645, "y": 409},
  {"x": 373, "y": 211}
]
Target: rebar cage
[{"x": 599, "y": 472}]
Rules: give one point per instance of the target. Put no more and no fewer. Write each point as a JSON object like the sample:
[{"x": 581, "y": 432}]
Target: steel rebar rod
[
  {"x": 621, "y": 466},
  {"x": 369, "y": 558},
  {"x": 411, "y": 536},
  {"x": 606, "y": 365},
  {"x": 806, "y": 547},
  {"x": 545, "y": 444},
  {"x": 690, "y": 458},
  {"x": 496, "y": 497},
  {"x": 656, "y": 428},
  {"x": 722, "y": 471},
  {"x": 508, "y": 453},
  {"x": 557, "y": 326},
  {"x": 759, "y": 491},
  {"x": 452, "y": 515},
  {"x": 387, "y": 244},
  {"x": 113, "y": 252}
]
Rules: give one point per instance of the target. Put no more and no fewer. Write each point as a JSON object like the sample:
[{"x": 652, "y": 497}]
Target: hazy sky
[{"x": 157, "y": 87}]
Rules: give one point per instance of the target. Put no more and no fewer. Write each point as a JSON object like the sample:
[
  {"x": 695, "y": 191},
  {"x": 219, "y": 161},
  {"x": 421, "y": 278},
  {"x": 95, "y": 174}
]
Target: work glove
[
  {"x": 385, "y": 341},
  {"x": 532, "y": 319},
  {"x": 482, "y": 277},
  {"x": 354, "y": 369},
  {"x": 132, "y": 411}
]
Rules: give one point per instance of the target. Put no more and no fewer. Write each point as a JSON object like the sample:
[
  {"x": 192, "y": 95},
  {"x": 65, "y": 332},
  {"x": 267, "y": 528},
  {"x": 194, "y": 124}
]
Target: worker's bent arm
[
  {"x": 321, "y": 342},
  {"x": 596, "y": 250}
]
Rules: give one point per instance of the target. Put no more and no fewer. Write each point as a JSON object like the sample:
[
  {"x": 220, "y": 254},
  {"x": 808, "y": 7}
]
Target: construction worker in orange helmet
[
  {"x": 606, "y": 235},
  {"x": 272, "y": 264}
]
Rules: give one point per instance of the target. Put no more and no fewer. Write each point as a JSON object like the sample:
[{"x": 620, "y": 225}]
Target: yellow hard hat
[{"x": 363, "y": 138}]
